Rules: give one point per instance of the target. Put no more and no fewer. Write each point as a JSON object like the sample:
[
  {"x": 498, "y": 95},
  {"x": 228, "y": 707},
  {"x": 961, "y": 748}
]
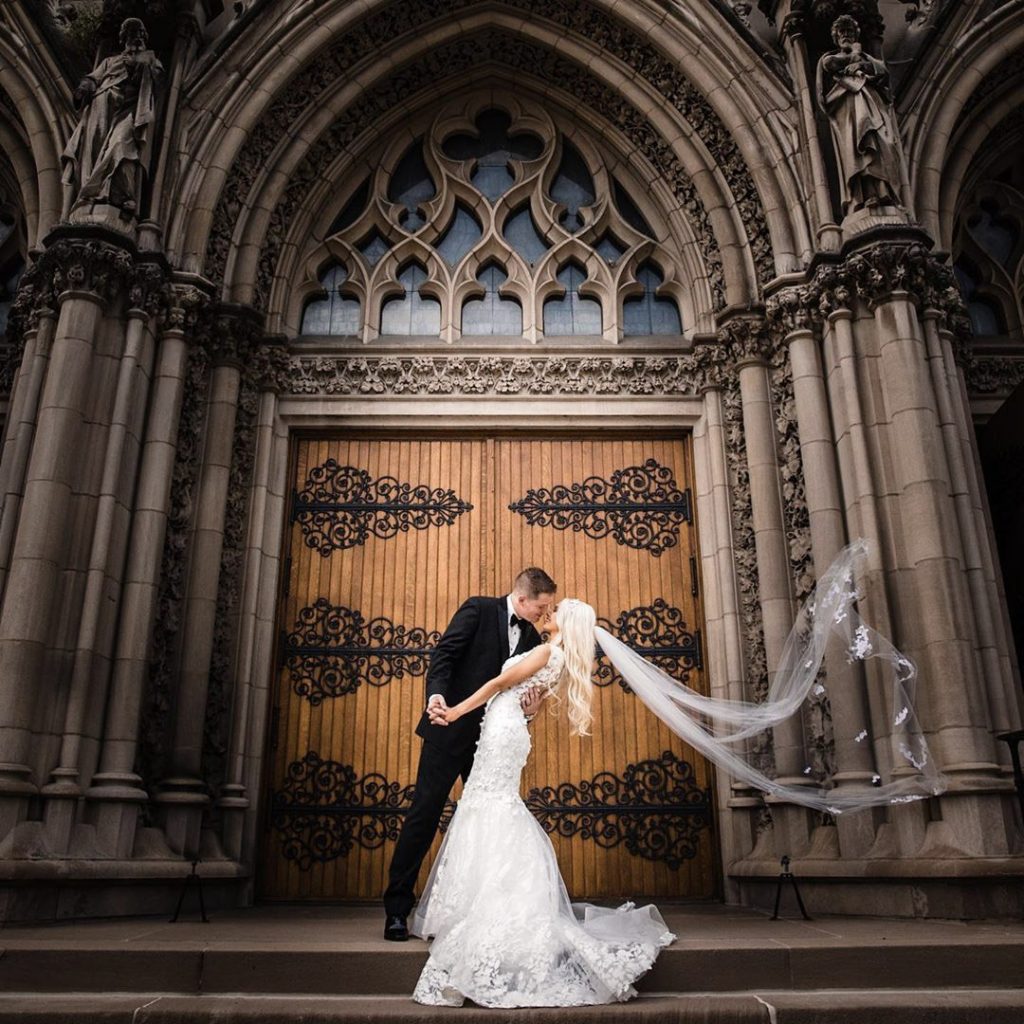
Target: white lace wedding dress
[{"x": 505, "y": 933}]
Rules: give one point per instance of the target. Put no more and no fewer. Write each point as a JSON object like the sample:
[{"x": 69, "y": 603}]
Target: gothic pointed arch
[{"x": 619, "y": 72}]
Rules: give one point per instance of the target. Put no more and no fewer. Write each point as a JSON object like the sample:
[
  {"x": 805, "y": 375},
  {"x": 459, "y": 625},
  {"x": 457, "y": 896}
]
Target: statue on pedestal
[
  {"x": 853, "y": 92},
  {"x": 104, "y": 158}
]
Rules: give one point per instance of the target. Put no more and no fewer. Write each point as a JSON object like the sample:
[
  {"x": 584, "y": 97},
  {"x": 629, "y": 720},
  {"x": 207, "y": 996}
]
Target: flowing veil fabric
[{"x": 718, "y": 728}]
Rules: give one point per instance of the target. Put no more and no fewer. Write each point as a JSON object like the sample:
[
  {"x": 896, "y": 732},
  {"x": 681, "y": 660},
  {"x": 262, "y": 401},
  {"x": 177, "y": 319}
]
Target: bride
[{"x": 505, "y": 933}]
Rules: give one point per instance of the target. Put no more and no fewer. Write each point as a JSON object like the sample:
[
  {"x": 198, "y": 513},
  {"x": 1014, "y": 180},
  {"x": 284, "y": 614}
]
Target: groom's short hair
[{"x": 533, "y": 582}]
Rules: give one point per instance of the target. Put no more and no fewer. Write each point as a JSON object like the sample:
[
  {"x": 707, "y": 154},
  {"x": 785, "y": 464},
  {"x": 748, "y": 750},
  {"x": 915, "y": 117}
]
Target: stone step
[
  {"x": 391, "y": 969},
  {"x": 921, "y": 1006}
]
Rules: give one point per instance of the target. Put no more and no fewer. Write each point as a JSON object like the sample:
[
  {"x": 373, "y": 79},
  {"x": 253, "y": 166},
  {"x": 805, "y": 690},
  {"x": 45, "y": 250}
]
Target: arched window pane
[
  {"x": 462, "y": 234},
  {"x": 336, "y": 314},
  {"x": 996, "y": 233},
  {"x": 986, "y": 317},
  {"x": 573, "y": 186},
  {"x": 521, "y": 233},
  {"x": 572, "y": 314},
  {"x": 8, "y": 290},
  {"x": 492, "y": 314},
  {"x": 631, "y": 212},
  {"x": 373, "y": 248},
  {"x": 648, "y": 314},
  {"x": 492, "y": 149},
  {"x": 412, "y": 313},
  {"x": 352, "y": 209},
  {"x": 608, "y": 249},
  {"x": 411, "y": 185}
]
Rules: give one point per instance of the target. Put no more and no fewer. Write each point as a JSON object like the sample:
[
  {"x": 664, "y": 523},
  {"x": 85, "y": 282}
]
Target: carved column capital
[
  {"x": 234, "y": 333},
  {"x": 793, "y": 309},
  {"x": 184, "y": 306},
  {"x": 746, "y": 339},
  {"x": 270, "y": 366},
  {"x": 712, "y": 370},
  {"x": 147, "y": 288},
  {"x": 91, "y": 264}
]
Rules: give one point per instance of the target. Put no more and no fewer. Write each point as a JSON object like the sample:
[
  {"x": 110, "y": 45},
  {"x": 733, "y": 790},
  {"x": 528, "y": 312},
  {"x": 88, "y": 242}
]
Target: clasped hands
[{"x": 439, "y": 713}]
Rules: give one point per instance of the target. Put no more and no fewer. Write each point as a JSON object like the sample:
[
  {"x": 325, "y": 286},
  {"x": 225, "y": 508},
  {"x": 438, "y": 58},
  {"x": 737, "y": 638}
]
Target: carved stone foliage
[
  {"x": 639, "y": 507},
  {"x": 217, "y": 723},
  {"x": 1007, "y": 73},
  {"x": 493, "y": 375},
  {"x": 988, "y": 375},
  {"x": 611, "y": 36},
  {"x": 158, "y": 700},
  {"x": 872, "y": 275},
  {"x": 655, "y": 808},
  {"x": 85, "y": 264}
]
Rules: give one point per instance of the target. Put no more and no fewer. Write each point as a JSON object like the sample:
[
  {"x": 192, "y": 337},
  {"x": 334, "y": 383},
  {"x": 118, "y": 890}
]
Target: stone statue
[
  {"x": 103, "y": 160},
  {"x": 853, "y": 91}
]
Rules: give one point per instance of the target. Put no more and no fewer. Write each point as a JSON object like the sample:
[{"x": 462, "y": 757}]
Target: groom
[{"x": 484, "y": 632}]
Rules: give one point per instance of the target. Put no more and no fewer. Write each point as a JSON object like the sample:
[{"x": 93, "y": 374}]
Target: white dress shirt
[{"x": 514, "y": 632}]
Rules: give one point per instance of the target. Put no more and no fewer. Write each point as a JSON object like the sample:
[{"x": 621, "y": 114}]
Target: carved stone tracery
[{"x": 517, "y": 53}]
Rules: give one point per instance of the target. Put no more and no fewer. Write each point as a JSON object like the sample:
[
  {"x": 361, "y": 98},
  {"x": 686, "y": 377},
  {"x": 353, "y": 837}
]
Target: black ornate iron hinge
[
  {"x": 639, "y": 507},
  {"x": 324, "y": 809},
  {"x": 658, "y": 632},
  {"x": 333, "y": 650},
  {"x": 656, "y": 808},
  {"x": 342, "y": 507}
]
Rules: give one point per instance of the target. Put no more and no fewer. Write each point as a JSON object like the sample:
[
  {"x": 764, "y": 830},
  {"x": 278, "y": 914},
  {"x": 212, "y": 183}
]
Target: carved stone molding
[
  {"x": 746, "y": 339},
  {"x": 494, "y": 375},
  {"x": 994, "y": 375},
  {"x": 614, "y": 37},
  {"x": 872, "y": 275},
  {"x": 87, "y": 264}
]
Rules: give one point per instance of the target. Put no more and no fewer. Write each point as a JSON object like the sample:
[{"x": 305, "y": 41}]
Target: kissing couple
[{"x": 504, "y": 931}]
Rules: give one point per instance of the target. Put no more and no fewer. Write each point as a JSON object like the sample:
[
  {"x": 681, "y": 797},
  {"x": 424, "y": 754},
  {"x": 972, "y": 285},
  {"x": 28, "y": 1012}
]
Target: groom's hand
[
  {"x": 436, "y": 708},
  {"x": 531, "y": 701}
]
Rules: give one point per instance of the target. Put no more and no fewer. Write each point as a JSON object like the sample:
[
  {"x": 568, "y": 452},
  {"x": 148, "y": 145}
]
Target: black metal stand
[
  {"x": 193, "y": 878},
  {"x": 1013, "y": 741},
  {"x": 784, "y": 875}
]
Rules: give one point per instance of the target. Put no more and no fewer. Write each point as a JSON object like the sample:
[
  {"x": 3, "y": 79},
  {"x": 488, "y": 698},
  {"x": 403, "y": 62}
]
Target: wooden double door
[{"x": 386, "y": 538}]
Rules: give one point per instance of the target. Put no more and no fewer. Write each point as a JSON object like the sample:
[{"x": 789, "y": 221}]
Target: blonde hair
[{"x": 576, "y": 621}]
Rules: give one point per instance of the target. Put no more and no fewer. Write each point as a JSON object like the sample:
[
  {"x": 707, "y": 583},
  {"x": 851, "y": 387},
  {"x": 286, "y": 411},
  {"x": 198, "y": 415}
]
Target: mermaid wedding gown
[{"x": 505, "y": 933}]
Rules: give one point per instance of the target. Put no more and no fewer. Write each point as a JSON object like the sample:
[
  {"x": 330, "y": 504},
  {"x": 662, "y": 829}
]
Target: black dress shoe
[{"x": 395, "y": 929}]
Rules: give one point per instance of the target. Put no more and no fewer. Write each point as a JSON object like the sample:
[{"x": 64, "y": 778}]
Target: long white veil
[{"x": 718, "y": 728}]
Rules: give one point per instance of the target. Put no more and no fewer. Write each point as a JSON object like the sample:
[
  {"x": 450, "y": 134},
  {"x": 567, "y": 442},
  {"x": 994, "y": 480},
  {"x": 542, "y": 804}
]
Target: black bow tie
[{"x": 514, "y": 620}]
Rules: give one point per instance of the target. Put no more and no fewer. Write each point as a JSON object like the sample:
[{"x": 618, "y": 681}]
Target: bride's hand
[{"x": 448, "y": 716}]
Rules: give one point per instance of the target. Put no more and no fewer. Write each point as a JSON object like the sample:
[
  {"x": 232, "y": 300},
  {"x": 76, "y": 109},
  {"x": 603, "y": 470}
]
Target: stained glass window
[
  {"x": 647, "y": 313},
  {"x": 492, "y": 314},
  {"x": 572, "y": 313},
  {"x": 335, "y": 313},
  {"x": 411, "y": 313}
]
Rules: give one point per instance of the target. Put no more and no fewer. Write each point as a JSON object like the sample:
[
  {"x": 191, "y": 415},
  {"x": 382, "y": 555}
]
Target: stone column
[
  {"x": 116, "y": 791},
  {"x": 85, "y": 274},
  {"x": 793, "y": 28},
  {"x": 21, "y": 425},
  {"x": 984, "y": 612},
  {"x": 183, "y": 796},
  {"x": 934, "y": 587},
  {"x": 259, "y": 588},
  {"x": 89, "y": 675},
  {"x": 854, "y": 761}
]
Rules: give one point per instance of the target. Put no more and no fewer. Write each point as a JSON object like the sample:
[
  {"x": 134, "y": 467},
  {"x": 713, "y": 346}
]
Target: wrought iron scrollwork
[
  {"x": 324, "y": 809},
  {"x": 638, "y": 507},
  {"x": 656, "y": 808},
  {"x": 333, "y": 650},
  {"x": 658, "y": 632},
  {"x": 342, "y": 506}
]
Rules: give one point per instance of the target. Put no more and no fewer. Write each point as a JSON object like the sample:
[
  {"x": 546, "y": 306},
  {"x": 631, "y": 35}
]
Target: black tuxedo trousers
[{"x": 471, "y": 651}]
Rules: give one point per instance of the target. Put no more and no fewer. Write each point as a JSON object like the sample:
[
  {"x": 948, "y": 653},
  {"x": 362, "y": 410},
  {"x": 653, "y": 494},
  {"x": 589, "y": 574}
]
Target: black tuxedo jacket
[{"x": 471, "y": 651}]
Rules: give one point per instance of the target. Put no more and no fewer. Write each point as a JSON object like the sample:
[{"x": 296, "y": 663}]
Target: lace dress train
[{"x": 505, "y": 933}]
